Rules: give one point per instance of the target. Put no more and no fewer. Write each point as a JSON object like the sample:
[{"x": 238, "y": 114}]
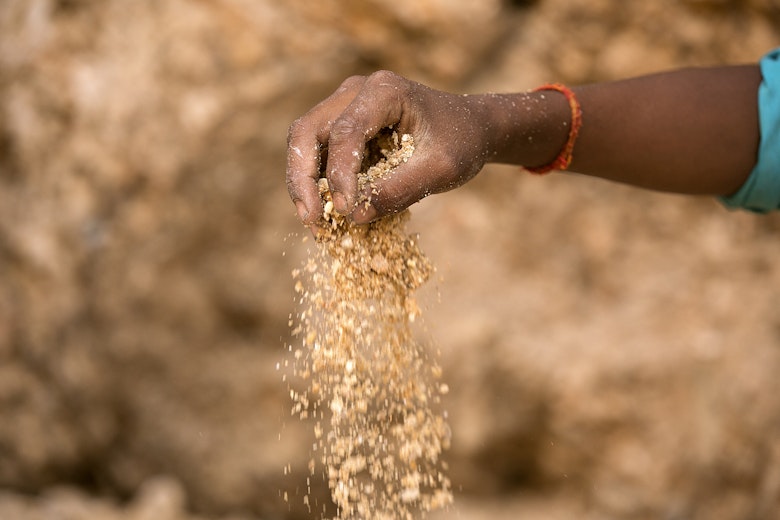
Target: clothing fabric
[{"x": 761, "y": 191}]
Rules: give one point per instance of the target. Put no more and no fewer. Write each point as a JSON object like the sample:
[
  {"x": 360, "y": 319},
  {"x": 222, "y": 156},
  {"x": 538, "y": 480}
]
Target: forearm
[{"x": 687, "y": 131}]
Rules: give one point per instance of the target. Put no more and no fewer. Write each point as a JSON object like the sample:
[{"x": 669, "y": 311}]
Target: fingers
[
  {"x": 380, "y": 103},
  {"x": 342, "y": 125},
  {"x": 307, "y": 140},
  {"x": 303, "y": 159},
  {"x": 406, "y": 185}
]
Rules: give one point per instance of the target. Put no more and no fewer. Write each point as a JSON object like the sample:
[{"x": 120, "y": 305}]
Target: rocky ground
[{"x": 611, "y": 353}]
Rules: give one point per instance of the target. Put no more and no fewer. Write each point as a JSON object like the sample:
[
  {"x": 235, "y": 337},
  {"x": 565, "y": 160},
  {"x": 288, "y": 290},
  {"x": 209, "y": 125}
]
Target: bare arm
[
  {"x": 687, "y": 131},
  {"x": 690, "y": 131}
]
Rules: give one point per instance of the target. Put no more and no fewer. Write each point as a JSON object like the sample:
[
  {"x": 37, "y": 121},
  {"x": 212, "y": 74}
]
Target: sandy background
[{"x": 611, "y": 353}]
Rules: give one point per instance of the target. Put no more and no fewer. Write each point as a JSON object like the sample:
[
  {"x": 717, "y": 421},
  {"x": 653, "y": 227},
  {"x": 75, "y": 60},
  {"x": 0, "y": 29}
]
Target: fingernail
[
  {"x": 303, "y": 212},
  {"x": 339, "y": 202}
]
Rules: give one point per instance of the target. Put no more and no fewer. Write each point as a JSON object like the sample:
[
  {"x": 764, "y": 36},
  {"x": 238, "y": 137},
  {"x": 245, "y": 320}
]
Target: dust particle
[{"x": 371, "y": 388}]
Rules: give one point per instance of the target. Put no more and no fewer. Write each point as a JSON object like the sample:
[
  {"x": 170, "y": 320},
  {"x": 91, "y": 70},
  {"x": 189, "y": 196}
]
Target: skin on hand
[
  {"x": 449, "y": 132},
  {"x": 686, "y": 131}
]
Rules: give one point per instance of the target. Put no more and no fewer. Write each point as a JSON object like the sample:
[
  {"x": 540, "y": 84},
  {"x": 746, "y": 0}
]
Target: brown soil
[{"x": 369, "y": 386}]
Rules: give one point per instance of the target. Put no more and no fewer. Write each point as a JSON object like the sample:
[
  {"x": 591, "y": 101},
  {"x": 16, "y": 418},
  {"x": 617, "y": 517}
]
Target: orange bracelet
[{"x": 563, "y": 160}]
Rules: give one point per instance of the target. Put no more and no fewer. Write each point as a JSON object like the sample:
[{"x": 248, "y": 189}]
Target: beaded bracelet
[{"x": 563, "y": 160}]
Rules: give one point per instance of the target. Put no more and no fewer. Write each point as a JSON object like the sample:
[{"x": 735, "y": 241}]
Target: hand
[{"x": 449, "y": 131}]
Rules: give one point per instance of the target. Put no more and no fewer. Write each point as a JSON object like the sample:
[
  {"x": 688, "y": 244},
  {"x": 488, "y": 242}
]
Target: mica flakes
[{"x": 372, "y": 390}]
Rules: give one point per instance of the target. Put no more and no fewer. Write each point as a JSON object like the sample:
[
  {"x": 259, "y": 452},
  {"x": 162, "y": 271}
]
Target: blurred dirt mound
[
  {"x": 144, "y": 294},
  {"x": 158, "y": 499},
  {"x": 621, "y": 350}
]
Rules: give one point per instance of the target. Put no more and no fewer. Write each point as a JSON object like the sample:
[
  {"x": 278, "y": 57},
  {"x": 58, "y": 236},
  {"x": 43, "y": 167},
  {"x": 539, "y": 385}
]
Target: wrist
[{"x": 526, "y": 129}]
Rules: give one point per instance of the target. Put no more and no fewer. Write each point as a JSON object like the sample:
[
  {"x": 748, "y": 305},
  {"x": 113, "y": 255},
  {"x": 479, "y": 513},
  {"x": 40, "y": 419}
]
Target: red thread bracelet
[{"x": 563, "y": 160}]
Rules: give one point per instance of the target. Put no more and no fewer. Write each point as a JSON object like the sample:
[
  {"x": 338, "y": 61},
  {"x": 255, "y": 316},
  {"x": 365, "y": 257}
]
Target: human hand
[{"x": 450, "y": 138}]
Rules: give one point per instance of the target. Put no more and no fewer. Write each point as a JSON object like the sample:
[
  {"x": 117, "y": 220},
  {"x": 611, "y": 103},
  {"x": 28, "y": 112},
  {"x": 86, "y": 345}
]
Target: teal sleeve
[{"x": 761, "y": 191}]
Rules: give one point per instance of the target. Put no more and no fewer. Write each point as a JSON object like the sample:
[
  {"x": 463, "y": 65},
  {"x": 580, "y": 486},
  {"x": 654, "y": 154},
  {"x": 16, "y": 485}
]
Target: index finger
[
  {"x": 306, "y": 140},
  {"x": 379, "y": 103}
]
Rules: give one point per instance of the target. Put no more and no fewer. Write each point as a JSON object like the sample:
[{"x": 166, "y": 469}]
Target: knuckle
[
  {"x": 384, "y": 76},
  {"x": 297, "y": 129},
  {"x": 351, "y": 83},
  {"x": 388, "y": 80},
  {"x": 344, "y": 127},
  {"x": 445, "y": 165},
  {"x": 292, "y": 185}
]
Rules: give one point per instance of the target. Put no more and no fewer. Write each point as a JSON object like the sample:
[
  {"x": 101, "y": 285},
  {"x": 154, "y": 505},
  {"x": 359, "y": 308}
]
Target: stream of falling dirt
[{"x": 370, "y": 389}]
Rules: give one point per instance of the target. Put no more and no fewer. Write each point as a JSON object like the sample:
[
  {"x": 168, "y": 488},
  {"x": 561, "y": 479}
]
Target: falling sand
[{"x": 371, "y": 389}]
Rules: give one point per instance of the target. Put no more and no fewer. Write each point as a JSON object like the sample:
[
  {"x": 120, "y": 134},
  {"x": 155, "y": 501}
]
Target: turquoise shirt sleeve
[{"x": 761, "y": 191}]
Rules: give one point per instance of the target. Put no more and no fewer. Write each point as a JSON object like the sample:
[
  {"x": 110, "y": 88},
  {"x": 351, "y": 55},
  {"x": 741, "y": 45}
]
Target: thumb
[{"x": 402, "y": 186}]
